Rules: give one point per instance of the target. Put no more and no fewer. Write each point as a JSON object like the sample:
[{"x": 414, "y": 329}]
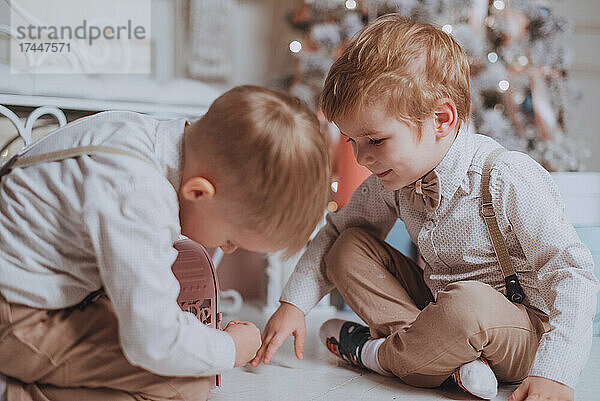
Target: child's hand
[
  {"x": 246, "y": 337},
  {"x": 286, "y": 321},
  {"x": 540, "y": 388}
]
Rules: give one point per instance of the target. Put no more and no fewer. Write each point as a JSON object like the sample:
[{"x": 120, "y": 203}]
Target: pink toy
[{"x": 199, "y": 284}]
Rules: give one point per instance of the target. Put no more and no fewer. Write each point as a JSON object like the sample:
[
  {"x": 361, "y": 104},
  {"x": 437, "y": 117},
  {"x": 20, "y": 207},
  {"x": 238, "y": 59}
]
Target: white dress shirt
[
  {"x": 554, "y": 267},
  {"x": 69, "y": 227}
]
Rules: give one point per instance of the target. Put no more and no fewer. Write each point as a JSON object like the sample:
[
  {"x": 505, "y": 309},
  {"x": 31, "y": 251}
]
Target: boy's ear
[
  {"x": 446, "y": 117},
  {"x": 196, "y": 188}
]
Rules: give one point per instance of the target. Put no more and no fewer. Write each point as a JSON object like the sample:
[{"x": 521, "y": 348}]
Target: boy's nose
[{"x": 363, "y": 158}]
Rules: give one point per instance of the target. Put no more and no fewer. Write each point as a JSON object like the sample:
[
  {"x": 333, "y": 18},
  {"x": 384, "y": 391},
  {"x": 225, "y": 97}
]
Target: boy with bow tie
[{"x": 507, "y": 292}]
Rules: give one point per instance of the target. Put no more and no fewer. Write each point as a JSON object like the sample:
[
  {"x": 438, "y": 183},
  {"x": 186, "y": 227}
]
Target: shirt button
[
  {"x": 429, "y": 224},
  {"x": 365, "y": 190}
]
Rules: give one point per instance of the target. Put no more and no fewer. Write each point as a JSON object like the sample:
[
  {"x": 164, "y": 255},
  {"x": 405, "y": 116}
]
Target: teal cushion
[{"x": 590, "y": 236}]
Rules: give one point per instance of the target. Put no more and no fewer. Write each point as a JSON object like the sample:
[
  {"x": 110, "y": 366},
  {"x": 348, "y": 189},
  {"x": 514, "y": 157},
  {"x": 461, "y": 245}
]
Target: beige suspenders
[
  {"x": 17, "y": 161},
  {"x": 514, "y": 291}
]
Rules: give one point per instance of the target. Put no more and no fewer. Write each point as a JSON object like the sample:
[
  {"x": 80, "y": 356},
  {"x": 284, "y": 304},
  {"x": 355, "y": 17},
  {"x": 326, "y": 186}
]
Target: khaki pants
[
  {"x": 427, "y": 340},
  {"x": 73, "y": 354}
]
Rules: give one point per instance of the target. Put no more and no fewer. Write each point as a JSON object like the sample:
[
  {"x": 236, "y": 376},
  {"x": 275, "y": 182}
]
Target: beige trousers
[
  {"x": 426, "y": 339},
  {"x": 73, "y": 354}
]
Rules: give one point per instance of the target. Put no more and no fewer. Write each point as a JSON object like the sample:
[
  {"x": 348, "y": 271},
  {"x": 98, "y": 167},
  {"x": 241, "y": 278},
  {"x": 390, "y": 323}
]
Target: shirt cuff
[
  {"x": 559, "y": 361},
  {"x": 304, "y": 291},
  {"x": 226, "y": 348},
  {"x": 303, "y": 301}
]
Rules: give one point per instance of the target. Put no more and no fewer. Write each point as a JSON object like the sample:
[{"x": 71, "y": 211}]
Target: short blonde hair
[
  {"x": 270, "y": 161},
  {"x": 409, "y": 64}
]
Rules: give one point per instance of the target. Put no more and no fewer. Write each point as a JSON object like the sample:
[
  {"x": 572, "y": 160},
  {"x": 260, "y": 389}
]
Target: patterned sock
[{"x": 477, "y": 378}]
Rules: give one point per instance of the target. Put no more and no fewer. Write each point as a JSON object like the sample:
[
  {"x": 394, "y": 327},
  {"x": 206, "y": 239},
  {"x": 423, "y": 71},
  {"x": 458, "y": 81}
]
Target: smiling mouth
[{"x": 384, "y": 173}]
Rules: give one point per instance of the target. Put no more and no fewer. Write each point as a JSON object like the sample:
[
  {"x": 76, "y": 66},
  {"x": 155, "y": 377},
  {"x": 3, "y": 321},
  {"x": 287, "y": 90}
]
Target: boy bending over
[{"x": 251, "y": 173}]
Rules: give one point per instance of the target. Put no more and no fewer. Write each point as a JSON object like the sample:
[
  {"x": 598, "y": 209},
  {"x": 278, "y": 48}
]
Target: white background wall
[{"x": 582, "y": 117}]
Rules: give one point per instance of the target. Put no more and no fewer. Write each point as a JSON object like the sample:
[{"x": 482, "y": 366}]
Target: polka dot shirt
[{"x": 554, "y": 267}]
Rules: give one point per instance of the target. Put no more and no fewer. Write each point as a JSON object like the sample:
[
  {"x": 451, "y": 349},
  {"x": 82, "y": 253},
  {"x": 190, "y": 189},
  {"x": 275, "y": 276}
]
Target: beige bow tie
[{"x": 424, "y": 193}]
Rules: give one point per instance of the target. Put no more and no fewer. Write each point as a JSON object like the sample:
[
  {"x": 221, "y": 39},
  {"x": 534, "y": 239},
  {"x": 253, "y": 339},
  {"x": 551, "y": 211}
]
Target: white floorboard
[{"x": 321, "y": 376}]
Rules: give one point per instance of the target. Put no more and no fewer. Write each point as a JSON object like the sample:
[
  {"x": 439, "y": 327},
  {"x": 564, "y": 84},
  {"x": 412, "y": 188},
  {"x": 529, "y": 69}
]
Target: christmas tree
[{"x": 519, "y": 86}]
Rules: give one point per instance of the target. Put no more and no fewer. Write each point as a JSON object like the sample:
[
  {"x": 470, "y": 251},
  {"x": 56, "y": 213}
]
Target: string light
[
  {"x": 503, "y": 85},
  {"x": 295, "y": 46},
  {"x": 499, "y": 5},
  {"x": 492, "y": 57},
  {"x": 350, "y": 4},
  {"x": 334, "y": 186},
  {"x": 447, "y": 28},
  {"x": 523, "y": 60}
]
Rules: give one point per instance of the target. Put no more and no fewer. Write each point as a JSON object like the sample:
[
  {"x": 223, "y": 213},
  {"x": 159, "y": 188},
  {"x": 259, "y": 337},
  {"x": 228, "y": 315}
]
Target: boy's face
[
  {"x": 207, "y": 221},
  {"x": 388, "y": 147}
]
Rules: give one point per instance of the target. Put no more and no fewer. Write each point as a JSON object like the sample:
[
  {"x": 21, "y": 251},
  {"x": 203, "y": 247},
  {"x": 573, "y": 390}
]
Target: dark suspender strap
[{"x": 514, "y": 291}]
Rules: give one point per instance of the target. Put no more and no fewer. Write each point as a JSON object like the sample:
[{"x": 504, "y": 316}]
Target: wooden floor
[{"x": 321, "y": 376}]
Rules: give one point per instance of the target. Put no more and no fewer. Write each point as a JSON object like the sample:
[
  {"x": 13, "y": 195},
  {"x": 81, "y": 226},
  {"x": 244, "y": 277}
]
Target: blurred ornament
[
  {"x": 527, "y": 105},
  {"x": 545, "y": 116},
  {"x": 523, "y": 60},
  {"x": 326, "y": 34},
  {"x": 495, "y": 124},
  {"x": 300, "y": 18},
  {"x": 351, "y": 24},
  {"x": 545, "y": 12},
  {"x": 518, "y": 97},
  {"x": 472, "y": 43},
  {"x": 516, "y": 25}
]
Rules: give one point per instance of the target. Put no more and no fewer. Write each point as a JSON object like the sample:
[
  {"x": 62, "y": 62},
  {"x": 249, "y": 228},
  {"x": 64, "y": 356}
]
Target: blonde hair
[
  {"x": 270, "y": 161},
  {"x": 411, "y": 65}
]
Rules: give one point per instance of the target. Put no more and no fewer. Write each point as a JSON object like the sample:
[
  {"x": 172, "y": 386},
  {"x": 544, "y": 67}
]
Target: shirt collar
[
  {"x": 170, "y": 149},
  {"x": 455, "y": 164}
]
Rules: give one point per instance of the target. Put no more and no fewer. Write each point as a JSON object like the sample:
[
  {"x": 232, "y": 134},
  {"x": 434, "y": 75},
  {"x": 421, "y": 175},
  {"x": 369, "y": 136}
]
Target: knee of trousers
[
  {"x": 186, "y": 388},
  {"x": 467, "y": 304},
  {"x": 342, "y": 254}
]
